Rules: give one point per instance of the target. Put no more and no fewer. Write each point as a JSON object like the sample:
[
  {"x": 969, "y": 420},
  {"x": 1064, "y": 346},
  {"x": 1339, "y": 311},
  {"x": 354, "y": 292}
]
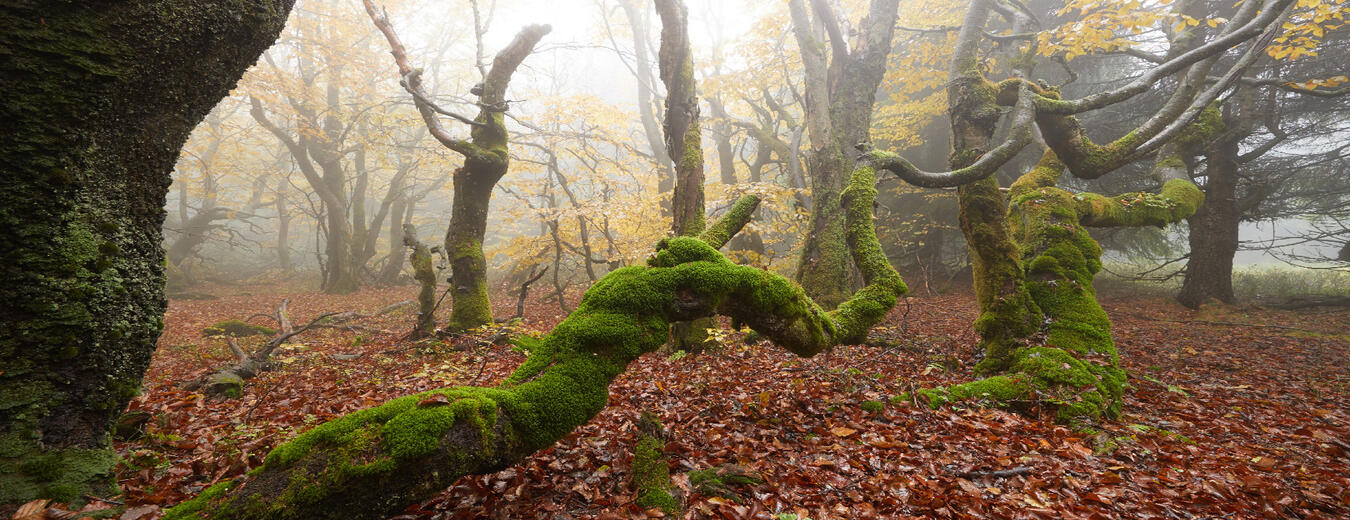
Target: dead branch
[{"x": 229, "y": 382}]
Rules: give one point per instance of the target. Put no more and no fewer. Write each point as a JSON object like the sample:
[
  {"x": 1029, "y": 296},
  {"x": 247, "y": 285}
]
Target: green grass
[{"x": 1254, "y": 283}]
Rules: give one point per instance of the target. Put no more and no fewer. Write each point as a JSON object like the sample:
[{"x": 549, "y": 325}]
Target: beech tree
[
  {"x": 841, "y": 79},
  {"x": 1044, "y": 336},
  {"x": 485, "y": 162},
  {"x": 98, "y": 101}
]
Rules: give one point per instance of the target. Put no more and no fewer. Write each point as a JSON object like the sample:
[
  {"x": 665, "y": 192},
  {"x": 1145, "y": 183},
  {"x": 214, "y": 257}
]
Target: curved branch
[
  {"x": 372, "y": 462},
  {"x": 1269, "y": 12},
  {"x": 1018, "y": 137}
]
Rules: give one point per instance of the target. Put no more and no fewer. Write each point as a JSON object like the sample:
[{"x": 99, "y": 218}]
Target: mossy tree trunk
[
  {"x": 1046, "y": 337},
  {"x": 684, "y": 146},
  {"x": 425, "y": 274},
  {"x": 1007, "y": 312},
  {"x": 373, "y": 462},
  {"x": 485, "y": 162},
  {"x": 98, "y": 102},
  {"x": 840, "y": 91}
]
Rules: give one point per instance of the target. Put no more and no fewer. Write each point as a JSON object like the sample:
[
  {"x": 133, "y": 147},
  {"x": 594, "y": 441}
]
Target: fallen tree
[{"x": 372, "y": 462}]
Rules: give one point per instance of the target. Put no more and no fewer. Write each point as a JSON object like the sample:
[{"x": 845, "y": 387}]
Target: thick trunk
[
  {"x": 839, "y": 99},
  {"x": 1007, "y": 312},
  {"x": 824, "y": 264},
  {"x": 91, "y": 132},
  {"x": 1214, "y": 232}
]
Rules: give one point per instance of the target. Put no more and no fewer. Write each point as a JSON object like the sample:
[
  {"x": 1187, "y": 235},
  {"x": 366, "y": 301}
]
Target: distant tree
[
  {"x": 486, "y": 160},
  {"x": 99, "y": 98}
]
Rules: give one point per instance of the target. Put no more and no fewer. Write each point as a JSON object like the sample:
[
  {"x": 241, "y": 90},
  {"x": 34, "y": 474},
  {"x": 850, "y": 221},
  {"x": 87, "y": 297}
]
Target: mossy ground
[{"x": 237, "y": 329}]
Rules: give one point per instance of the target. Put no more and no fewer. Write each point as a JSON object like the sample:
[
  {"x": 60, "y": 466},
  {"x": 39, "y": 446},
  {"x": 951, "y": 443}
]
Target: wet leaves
[{"x": 1221, "y": 421}]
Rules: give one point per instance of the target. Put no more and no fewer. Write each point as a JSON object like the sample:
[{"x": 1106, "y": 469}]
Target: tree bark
[
  {"x": 1214, "y": 231},
  {"x": 840, "y": 92},
  {"x": 92, "y": 128}
]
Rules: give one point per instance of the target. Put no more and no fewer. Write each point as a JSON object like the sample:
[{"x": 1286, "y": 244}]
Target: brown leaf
[
  {"x": 434, "y": 400},
  {"x": 842, "y": 431},
  {"x": 138, "y": 512},
  {"x": 34, "y": 510}
]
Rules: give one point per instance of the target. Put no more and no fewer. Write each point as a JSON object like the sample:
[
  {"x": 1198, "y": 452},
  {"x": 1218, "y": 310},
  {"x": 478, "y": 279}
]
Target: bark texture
[
  {"x": 840, "y": 92},
  {"x": 99, "y": 98}
]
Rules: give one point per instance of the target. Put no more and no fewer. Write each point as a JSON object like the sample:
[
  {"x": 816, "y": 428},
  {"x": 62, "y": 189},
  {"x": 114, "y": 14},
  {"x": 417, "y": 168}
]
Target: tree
[
  {"x": 1278, "y": 175},
  {"x": 373, "y": 462},
  {"x": 322, "y": 106},
  {"x": 841, "y": 85},
  {"x": 485, "y": 162},
  {"x": 92, "y": 128},
  {"x": 1043, "y": 333}
]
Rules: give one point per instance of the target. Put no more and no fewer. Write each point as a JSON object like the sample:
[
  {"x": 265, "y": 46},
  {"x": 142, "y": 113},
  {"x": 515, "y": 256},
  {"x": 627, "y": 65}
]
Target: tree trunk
[
  {"x": 283, "y": 229},
  {"x": 470, "y": 306},
  {"x": 92, "y": 129},
  {"x": 839, "y": 99},
  {"x": 1214, "y": 231},
  {"x": 389, "y": 274},
  {"x": 425, "y": 274}
]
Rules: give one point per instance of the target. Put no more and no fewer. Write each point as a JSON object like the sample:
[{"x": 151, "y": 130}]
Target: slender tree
[{"x": 485, "y": 162}]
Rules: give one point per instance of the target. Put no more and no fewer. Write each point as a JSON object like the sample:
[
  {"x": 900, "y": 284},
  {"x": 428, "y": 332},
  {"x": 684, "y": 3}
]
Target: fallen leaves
[{"x": 1260, "y": 431}]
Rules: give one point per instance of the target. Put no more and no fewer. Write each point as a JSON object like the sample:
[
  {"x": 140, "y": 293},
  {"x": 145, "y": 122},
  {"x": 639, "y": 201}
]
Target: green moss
[
  {"x": 237, "y": 329},
  {"x": 651, "y": 472},
  {"x": 873, "y": 406},
  {"x": 370, "y": 461},
  {"x": 722, "y": 481},
  {"x": 730, "y": 223},
  {"x": 226, "y": 384}
]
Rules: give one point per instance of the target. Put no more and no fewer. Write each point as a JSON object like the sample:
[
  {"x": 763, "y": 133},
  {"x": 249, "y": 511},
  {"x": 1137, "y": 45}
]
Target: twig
[
  {"x": 525, "y": 289},
  {"x": 1002, "y": 473},
  {"x": 106, "y": 500}
]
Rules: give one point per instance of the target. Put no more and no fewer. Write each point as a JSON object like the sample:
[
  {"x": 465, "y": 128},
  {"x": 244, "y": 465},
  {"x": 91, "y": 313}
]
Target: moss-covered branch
[
  {"x": 984, "y": 166},
  {"x": 718, "y": 234},
  {"x": 372, "y": 462}
]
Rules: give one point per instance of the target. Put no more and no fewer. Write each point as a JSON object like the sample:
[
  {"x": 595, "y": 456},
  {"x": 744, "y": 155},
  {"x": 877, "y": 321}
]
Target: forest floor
[{"x": 1231, "y": 412}]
